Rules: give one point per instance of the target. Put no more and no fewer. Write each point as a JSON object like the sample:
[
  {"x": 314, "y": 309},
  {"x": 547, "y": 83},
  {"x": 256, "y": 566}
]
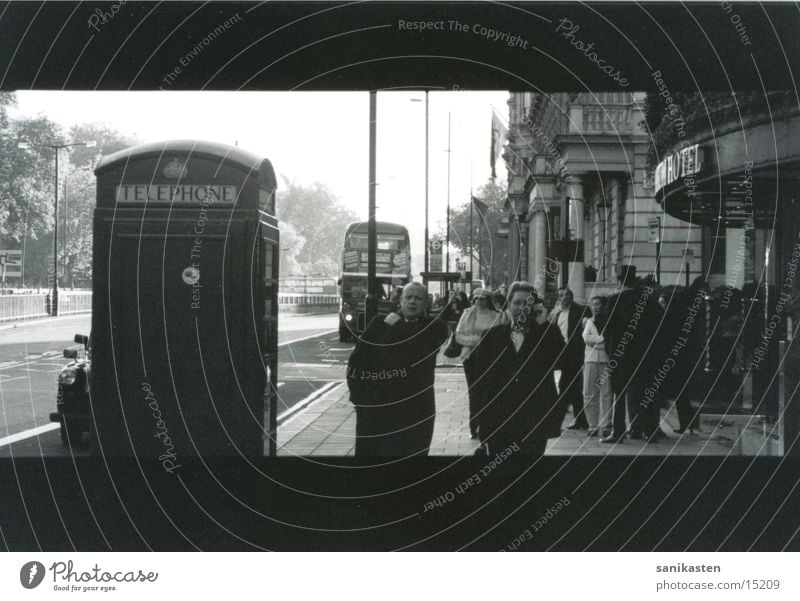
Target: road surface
[{"x": 31, "y": 355}]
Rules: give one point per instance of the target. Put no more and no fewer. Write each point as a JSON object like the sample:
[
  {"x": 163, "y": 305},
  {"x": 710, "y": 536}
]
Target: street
[{"x": 31, "y": 355}]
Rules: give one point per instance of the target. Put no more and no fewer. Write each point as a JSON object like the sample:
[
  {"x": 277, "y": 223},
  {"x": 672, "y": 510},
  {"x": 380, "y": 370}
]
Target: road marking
[
  {"x": 30, "y": 322},
  {"x": 6, "y": 379},
  {"x": 28, "y": 434},
  {"x": 37, "y": 358},
  {"x": 306, "y": 338},
  {"x": 316, "y": 395}
]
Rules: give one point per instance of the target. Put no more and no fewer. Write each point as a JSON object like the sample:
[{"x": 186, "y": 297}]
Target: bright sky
[{"x": 317, "y": 136}]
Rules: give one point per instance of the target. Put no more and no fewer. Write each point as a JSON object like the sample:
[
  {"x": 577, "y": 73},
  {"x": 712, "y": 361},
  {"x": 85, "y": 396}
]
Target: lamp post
[
  {"x": 447, "y": 268},
  {"x": 57, "y": 148},
  {"x": 371, "y": 300},
  {"x": 426, "y": 177}
]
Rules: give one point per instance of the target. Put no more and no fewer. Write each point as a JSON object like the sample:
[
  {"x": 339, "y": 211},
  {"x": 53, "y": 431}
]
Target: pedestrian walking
[
  {"x": 597, "y": 395},
  {"x": 517, "y": 391},
  {"x": 474, "y": 323},
  {"x": 568, "y": 317},
  {"x": 455, "y": 308},
  {"x": 390, "y": 376},
  {"x": 499, "y": 300}
]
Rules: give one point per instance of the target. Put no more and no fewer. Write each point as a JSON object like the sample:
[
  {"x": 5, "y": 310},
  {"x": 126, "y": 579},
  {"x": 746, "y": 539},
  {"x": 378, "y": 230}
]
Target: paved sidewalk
[{"x": 327, "y": 428}]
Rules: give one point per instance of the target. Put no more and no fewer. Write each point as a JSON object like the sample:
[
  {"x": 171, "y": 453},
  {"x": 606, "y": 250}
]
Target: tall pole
[
  {"x": 66, "y": 231},
  {"x": 371, "y": 301},
  {"x": 447, "y": 268},
  {"x": 427, "y": 266},
  {"x": 54, "y": 295},
  {"x": 471, "y": 247},
  {"x": 480, "y": 249},
  {"x": 57, "y": 148}
]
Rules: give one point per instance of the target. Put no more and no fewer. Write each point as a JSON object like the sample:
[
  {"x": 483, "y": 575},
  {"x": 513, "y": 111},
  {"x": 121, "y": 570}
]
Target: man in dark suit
[
  {"x": 568, "y": 317},
  {"x": 390, "y": 375},
  {"x": 634, "y": 352},
  {"x": 518, "y": 402}
]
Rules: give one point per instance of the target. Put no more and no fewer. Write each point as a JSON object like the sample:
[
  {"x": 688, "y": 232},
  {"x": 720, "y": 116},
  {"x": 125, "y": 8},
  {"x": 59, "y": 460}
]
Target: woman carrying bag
[{"x": 474, "y": 323}]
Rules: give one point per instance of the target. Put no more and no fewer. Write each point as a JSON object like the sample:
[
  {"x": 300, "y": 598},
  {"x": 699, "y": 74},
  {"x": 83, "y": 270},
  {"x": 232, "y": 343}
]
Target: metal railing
[
  {"x": 16, "y": 307},
  {"x": 22, "y": 306},
  {"x": 292, "y": 298},
  {"x": 600, "y": 119}
]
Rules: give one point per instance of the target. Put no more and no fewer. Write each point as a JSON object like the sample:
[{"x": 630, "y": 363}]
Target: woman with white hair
[{"x": 473, "y": 324}]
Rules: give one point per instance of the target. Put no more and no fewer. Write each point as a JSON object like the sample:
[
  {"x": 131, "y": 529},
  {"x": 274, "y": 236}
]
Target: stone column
[
  {"x": 576, "y": 267},
  {"x": 523, "y": 251},
  {"x": 513, "y": 249},
  {"x": 537, "y": 270}
]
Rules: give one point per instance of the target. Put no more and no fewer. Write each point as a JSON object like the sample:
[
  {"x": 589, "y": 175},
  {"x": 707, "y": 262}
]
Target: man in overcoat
[
  {"x": 634, "y": 352},
  {"x": 390, "y": 375},
  {"x": 518, "y": 397},
  {"x": 568, "y": 316}
]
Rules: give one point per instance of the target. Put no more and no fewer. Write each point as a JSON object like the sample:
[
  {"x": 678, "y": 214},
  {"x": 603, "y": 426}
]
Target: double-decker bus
[{"x": 392, "y": 269}]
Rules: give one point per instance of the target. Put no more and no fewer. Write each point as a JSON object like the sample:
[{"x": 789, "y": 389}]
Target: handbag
[{"x": 453, "y": 349}]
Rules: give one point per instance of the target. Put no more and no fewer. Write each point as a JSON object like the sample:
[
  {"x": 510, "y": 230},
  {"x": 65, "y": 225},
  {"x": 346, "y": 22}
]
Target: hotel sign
[
  {"x": 177, "y": 193},
  {"x": 684, "y": 163}
]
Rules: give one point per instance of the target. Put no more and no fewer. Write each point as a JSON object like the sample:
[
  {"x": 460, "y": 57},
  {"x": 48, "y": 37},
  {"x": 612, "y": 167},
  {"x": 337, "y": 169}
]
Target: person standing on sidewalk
[
  {"x": 455, "y": 308},
  {"x": 685, "y": 331},
  {"x": 597, "y": 395},
  {"x": 517, "y": 390},
  {"x": 568, "y": 316},
  {"x": 470, "y": 329},
  {"x": 633, "y": 356},
  {"x": 390, "y": 375}
]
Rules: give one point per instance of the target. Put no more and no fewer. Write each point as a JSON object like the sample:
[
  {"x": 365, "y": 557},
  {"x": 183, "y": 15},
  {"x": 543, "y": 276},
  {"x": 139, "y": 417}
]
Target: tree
[
  {"x": 27, "y": 195},
  {"x": 27, "y": 192},
  {"x": 291, "y": 245},
  {"x": 107, "y": 140},
  {"x": 320, "y": 219},
  {"x": 491, "y": 248},
  {"x": 76, "y": 210}
]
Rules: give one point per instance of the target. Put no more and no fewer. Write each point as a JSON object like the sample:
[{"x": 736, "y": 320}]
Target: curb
[{"x": 7, "y": 325}]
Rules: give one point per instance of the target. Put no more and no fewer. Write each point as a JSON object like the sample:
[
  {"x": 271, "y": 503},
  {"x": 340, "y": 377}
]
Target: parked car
[{"x": 72, "y": 401}]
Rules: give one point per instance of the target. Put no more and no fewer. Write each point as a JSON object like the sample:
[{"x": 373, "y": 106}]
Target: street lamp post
[
  {"x": 371, "y": 300},
  {"x": 426, "y": 179},
  {"x": 447, "y": 268},
  {"x": 57, "y": 148}
]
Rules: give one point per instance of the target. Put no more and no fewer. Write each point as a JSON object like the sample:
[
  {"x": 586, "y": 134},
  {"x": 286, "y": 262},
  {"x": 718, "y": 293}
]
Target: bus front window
[{"x": 354, "y": 288}]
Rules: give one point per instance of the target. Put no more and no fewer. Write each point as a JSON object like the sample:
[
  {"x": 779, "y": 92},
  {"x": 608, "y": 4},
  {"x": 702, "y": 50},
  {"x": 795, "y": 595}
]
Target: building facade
[
  {"x": 581, "y": 198},
  {"x": 735, "y": 172}
]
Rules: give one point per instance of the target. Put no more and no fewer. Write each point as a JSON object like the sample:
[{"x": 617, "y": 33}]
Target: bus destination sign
[{"x": 176, "y": 193}]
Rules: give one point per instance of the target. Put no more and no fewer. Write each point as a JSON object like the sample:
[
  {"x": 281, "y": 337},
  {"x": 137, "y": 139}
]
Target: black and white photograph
[{"x": 384, "y": 276}]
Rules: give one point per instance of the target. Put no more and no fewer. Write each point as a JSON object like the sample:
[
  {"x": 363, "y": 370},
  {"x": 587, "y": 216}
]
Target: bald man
[{"x": 390, "y": 375}]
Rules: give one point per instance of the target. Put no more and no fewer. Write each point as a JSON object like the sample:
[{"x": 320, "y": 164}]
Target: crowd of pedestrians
[{"x": 613, "y": 364}]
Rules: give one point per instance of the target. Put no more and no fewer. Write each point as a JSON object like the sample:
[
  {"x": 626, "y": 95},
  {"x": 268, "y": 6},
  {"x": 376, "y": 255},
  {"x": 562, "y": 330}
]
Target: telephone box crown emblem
[{"x": 176, "y": 169}]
